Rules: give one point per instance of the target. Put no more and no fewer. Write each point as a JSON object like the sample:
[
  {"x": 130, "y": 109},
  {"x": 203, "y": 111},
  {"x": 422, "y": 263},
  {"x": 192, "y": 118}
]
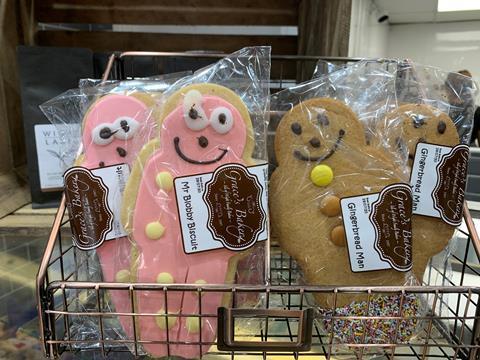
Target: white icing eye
[
  {"x": 125, "y": 127},
  {"x": 102, "y": 134},
  {"x": 193, "y": 113},
  {"x": 221, "y": 120}
]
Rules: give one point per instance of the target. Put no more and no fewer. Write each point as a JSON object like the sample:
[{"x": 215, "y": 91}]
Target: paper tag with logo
[
  {"x": 378, "y": 228},
  {"x": 94, "y": 200},
  {"x": 226, "y": 208},
  {"x": 438, "y": 179}
]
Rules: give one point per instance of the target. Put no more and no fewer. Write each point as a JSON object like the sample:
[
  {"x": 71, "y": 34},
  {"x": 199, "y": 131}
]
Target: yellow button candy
[
  {"x": 154, "y": 230},
  {"x": 161, "y": 321},
  {"x": 321, "y": 175},
  {"x": 200, "y": 282},
  {"x": 164, "y": 278},
  {"x": 164, "y": 180},
  {"x": 193, "y": 325},
  {"x": 122, "y": 276}
]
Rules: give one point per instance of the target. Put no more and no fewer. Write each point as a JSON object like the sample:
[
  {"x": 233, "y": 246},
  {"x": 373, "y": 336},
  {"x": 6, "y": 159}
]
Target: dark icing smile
[
  {"x": 176, "y": 142},
  {"x": 298, "y": 154}
]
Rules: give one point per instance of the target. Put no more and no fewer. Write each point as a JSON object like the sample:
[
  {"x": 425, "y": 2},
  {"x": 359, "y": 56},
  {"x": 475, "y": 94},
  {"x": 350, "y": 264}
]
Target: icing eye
[
  {"x": 102, "y": 134},
  {"x": 195, "y": 117},
  {"x": 441, "y": 127},
  {"x": 323, "y": 120},
  {"x": 221, "y": 120},
  {"x": 418, "y": 121},
  {"x": 125, "y": 127},
  {"x": 296, "y": 128}
]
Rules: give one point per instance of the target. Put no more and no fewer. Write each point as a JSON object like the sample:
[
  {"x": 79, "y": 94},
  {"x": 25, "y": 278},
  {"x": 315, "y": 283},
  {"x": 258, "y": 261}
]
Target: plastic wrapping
[
  {"x": 323, "y": 151},
  {"x": 109, "y": 124},
  {"x": 434, "y": 107},
  {"x": 323, "y": 67},
  {"x": 195, "y": 205}
]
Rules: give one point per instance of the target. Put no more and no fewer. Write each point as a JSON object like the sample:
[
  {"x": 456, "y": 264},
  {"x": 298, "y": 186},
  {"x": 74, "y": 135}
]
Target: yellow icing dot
[
  {"x": 162, "y": 320},
  {"x": 154, "y": 230},
  {"x": 122, "y": 276},
  {"x": 164, "y": 180},
  {"x": 165, "y": 278},
  {"x": 193, "y": 324},
  {"x": 321, "y": 175},
  {"x": 201, "y": 282}
]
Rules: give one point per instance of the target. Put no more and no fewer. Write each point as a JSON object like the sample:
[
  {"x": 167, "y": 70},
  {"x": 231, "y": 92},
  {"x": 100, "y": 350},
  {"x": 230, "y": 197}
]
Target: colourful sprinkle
[{"x": 375, "y": 331}]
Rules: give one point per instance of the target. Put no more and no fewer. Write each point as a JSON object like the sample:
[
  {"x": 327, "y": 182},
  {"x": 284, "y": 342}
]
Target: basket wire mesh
[{"x": 449, "y": 328}]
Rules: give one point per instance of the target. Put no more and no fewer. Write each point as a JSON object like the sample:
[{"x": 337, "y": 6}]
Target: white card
[
  {"x": 227, "y": 208},
  {"x": 52, "y": 155},
  {"x": 94, "y": 199},
  {"x": 378, "y": 229},
  {"x": 438, "y": 181}
]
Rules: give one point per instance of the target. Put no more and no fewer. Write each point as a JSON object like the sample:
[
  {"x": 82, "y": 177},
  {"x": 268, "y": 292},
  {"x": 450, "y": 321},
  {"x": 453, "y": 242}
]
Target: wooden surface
[
  {"x": 13, "y": 194},
  {"x": 15, "y": 29},
  {"x": 28, "y": 221},
  {"x": 110, "y": 41},
  {"x": 167, "y": 12},
  {"x": 323, "y": 29}
]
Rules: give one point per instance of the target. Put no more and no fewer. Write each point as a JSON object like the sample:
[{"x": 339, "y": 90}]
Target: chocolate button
[
  {"x": 321, "y": 175},
  {"x": 330, "y": 205},
  {"x": 338, "y": 237}
]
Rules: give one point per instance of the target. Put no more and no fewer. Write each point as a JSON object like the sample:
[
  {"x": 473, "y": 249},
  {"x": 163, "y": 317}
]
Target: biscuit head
[
  {"x": 315, "y": 130},
  {"x": 414, "y": 123},
  {"x": 204, "y": 125},
  {"x": 110, "y": 127}
]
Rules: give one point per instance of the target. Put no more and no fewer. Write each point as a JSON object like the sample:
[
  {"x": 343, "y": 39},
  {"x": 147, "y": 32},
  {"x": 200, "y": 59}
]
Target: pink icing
[
  {"x": 114, "y": 255},
  {"x": 166, "y": 254}
]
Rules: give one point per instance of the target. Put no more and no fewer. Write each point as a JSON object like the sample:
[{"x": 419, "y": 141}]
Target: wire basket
[{"x": 284, "y": 321}]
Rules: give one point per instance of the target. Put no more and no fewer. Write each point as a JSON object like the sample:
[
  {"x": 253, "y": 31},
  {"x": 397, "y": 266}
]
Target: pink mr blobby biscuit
[
  {"x": 110, "y": 131},
  {"x": 202, "y": 127}
]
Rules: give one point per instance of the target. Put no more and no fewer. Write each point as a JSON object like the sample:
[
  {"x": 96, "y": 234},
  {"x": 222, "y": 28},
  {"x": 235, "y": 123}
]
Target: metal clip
[{"x": 226, "y": 339}]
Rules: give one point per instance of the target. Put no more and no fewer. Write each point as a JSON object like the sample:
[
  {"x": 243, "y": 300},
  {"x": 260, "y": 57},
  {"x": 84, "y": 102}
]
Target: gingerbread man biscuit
[
  {"x": 323, "y": 156},
  {"x": 111, "y": 128},
  {"x": 202, "y": 127},
  {"x": 405, "y": 127}
]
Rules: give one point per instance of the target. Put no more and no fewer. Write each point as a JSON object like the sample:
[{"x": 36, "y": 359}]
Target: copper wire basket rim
[{"x": 45, "y": 289}]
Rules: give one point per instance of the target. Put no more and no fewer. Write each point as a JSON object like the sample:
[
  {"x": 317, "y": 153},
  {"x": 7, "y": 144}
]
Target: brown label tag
[
  {"x": 90, "y": 216},
  {"x": 449, "y": 192},
  {"x": 235, "y": 212},
  {"x": 391, "y": 216}
]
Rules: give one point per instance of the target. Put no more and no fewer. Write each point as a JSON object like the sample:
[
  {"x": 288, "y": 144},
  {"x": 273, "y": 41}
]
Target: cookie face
[
  {"x": 321, "y": 162},
  {"x": 204, "y": 130},
  {"x": 315, "y": 130},
  {"x": 421, "y": 123},
  {"x": 110, "y": 130}
]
